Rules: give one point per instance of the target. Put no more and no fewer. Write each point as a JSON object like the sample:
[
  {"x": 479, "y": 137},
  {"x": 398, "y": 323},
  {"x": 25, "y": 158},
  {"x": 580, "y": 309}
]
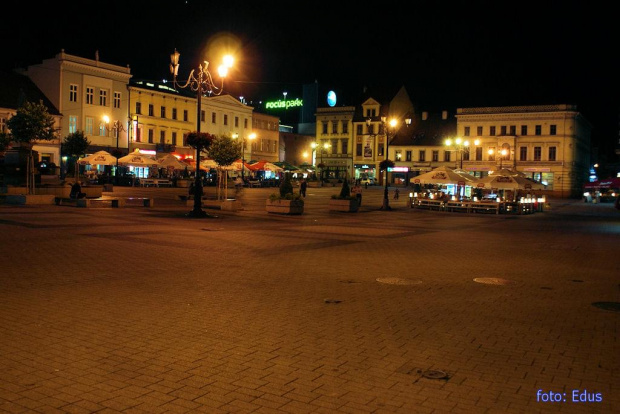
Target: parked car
[{"x": 367, "y": 181}]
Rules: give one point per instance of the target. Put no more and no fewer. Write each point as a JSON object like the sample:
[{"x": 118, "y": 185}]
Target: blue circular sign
[{"x": 331, "y": 98}]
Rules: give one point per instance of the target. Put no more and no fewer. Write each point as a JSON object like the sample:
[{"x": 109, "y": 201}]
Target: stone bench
[{"x": 91, "y": 202}]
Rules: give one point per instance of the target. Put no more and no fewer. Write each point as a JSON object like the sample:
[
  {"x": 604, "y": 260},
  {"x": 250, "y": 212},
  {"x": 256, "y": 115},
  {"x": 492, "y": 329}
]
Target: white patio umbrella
[
  {"x": 504, "y": 182},
  {"x": 170, "y": 161},
  {"x": 440, "y": 175},
  {"x": 98, "y": 158},
  {"x": 136, "y": 159}
]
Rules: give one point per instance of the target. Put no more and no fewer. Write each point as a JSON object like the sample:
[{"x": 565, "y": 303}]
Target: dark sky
[{"x": 474, "y": 53}]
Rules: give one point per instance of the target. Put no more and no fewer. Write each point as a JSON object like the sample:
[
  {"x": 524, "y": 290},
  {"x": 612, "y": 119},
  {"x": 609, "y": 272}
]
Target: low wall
[{"x": 30, "y": 199}]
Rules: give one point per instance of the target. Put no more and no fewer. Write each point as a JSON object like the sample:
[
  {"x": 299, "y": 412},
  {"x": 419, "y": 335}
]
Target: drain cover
[
  {"x": 434, "y": 374},
  {"x": 398, "y": 281},
  {"x": 492, "y": 281},
  {"x": 610, "y": 306}
]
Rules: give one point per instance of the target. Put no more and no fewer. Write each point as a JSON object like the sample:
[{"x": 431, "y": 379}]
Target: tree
[
  {"x": 5, "y": 140},
  {"x": 75, "y": 146},
  {"x": 32, "y": 122},
  {"x": 345, "y": 191},
  {"x": 224, "y": 150}
]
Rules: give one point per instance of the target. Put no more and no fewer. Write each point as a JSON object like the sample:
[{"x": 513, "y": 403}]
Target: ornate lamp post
[
  {"x": 502, "y": 153},
  {"x": 117, "y": 126},
  {"x": 201, "y": 82},
  {"x": 321, "y": 148}
]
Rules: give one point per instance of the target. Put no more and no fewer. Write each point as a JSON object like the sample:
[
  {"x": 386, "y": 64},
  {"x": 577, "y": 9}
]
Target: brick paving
[{"x": 141, "y": 310}]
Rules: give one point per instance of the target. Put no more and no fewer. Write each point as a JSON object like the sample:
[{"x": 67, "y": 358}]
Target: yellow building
[
  {"x": 334, "y": 142},
  {"x": 85, "y": 91},
  {"x": 549, "y": 143},
  {"x": 266, "y": 146}
]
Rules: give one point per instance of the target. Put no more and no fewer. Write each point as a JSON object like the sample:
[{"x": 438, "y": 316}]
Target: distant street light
[
  {"x": 202, "y": 83},
  {"x": 250, "y": 137},
  {"x": 117, "y": 126}
]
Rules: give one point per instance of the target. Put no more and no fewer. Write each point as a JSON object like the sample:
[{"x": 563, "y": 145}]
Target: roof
[
  {"x": 428, "y": 132},
  {"x": 15, "y": 89}
]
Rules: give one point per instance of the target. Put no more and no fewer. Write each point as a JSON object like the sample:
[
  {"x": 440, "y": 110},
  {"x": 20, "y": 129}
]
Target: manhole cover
[
  {"x": 610, "y": 306},
  {"x": 398, "y": 281},
  {"x": 492, "y": 281},
  {"x": 434, "y": 374}
]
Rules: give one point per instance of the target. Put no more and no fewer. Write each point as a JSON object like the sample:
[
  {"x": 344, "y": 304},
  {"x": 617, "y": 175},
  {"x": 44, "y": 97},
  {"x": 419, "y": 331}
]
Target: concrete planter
[
  {"x": 183, "y": 183},
  {"x": 350, "y": 206},
  {"x": 285, "y": 206},
  {"x": 30, "y": 199}
]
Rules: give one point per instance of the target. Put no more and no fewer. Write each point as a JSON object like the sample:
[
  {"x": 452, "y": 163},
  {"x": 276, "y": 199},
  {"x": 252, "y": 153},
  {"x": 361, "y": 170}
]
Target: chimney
[
  {"x": 444, "y": 115},
  {"x": 424, "y": 116}
]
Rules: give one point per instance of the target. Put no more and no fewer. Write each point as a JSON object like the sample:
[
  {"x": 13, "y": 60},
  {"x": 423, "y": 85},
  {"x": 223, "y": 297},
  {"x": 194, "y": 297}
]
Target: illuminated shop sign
[{"x": 280, "y": 104}]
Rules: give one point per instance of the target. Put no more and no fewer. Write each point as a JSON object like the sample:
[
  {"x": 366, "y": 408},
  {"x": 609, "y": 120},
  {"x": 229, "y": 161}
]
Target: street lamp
[
  {"x": 250, "y": 137},
  {"x": 387, "y": 127},
  {"x": 502, "y": 153},
  {"x": 460, "y": 146},
  {"x": 201, "y": 82},
  {"x": 321, "y": 148},
  {"x": 118, "y": 127}
]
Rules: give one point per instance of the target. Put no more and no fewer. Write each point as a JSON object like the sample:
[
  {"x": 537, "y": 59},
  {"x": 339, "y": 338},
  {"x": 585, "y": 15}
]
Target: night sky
[{"x": 472, "y": 54}]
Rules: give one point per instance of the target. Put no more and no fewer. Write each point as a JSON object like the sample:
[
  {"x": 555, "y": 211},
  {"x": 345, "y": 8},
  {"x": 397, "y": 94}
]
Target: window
[
  {"x": 117, "y": 99},
  {"x": 513, "y": 130},
  {"x": 334, "y": 127},
  {"x": 225, "y": 119},
  {"x": 479, "y": 131},
  {"x": 492, "y": 131},
  {"x": 435, "y": 156},
  {"x": 236, "y": 122},
  {"x": 523, "y": 154},
  {"x": 174, "y": 138},
  {"x": 537, "y": 153},
  {"x": 73, "y": 93},
  {"x": 399, "y": 155},
  {"x": 185, "y": 115},
  {"x": 138, "y": 134},
  {"x": 162, "y": 113},
  {"x": 89, "y": 126},
  {"x": 90, "y": 95},
  {"x": 538, "y": 130},
  {"x": 72, "y": 124},
  {"x": 151, "y": 110},
  {"x": 408, "y": 156},
  {"x": 345, "y": 127},
  {"x": 446, "y": 156},
  {"x": 174, "y": 113},
  {"x": 151, "y": 132},
  {"x": 103, "y": 97},
  {"x": 334, "y": 146},
  {"x": 466, "y": 131},
  {"x": 344, "y": 145},
  {"x": 324, "y": 124},
  {"x": 478, "y": 153},
  {"x": 465, "y": 155},
  {"x": 371, "y": 129},
  {"x": 102, "y": 130},
  {"x": 552, "y": 153},
  {"x": 553, "y": 129},
  {"x": 380, "y": 150},
  {"x": 213, "y": 118},
  {"x": 162, "y": 137},
  {"x": 360, "y": 129},
  {"x": 202, "y": 116},
  {"x": 138, "y": 108},
  {"x": 358, "y": 149},
  {"x": 422, "y": 155},
  {"x": 523, "y": 130},
  {"x": 503, "y": 130},
  {"x": 245, "y": 123}
]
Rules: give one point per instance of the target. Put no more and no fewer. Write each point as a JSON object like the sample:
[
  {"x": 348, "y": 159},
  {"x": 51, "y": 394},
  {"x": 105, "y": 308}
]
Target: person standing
[
  {"x": 357, "y": 191},
  {"x": 302, "y": 187}
]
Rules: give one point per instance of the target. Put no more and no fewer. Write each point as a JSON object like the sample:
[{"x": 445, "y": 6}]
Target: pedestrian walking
[
  {"x": 396, "y": 194},
  {"x": 302, "y": 187}
]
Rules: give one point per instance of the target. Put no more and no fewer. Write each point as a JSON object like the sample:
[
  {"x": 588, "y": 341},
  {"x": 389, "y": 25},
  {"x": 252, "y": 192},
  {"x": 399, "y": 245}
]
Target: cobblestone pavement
[{"x": 142, "y": 310}]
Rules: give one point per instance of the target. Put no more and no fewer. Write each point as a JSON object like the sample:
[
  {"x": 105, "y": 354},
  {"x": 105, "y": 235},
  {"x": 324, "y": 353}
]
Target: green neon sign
[{"x": 280, "y": 104}]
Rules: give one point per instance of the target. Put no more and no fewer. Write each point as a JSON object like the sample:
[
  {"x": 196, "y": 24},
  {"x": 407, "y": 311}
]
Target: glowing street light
[{"x": 201, "y": 82}]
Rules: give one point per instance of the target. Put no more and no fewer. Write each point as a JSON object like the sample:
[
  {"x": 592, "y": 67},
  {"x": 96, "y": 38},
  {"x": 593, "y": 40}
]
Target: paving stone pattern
[{"x": 142, "y": 310}]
